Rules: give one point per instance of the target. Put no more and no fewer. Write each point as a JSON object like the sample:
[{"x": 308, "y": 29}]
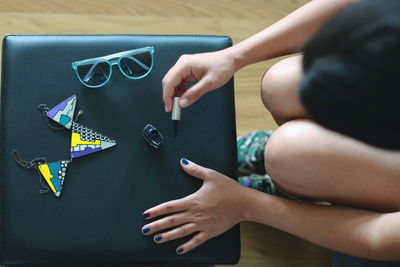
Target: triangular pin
[
  {"x": 85, "y": 141},
  {"x": 63, "y": 113},
  {"x": 54, "y": 174}
]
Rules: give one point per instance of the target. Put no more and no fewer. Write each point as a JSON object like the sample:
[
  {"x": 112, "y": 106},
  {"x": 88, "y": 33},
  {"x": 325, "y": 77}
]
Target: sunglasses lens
[
  {"x": 94, "y": 73},
  {"x": 136, "y": 65}
]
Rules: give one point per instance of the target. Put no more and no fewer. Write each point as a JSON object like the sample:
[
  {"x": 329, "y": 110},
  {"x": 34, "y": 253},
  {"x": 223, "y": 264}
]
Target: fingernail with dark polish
[
  {"x": 185, "y": 161},
  {"x": 146, "y": 215},
  {"x": 157, "y": 238},
  {"x": 179, "y": 250},
  {"x": 145, "y": 229}
]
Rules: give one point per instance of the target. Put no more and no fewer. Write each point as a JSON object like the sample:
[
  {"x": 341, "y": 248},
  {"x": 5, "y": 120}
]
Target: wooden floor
[{"x": 261, "y": 246}]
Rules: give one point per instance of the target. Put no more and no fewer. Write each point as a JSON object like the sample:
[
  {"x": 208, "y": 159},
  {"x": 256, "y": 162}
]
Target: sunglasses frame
[{"x": 115, "y": 59}]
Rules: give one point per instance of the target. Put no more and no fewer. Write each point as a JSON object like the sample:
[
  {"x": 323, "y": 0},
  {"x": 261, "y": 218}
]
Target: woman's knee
[
  {"x": 308, "y": 161},
  {"x": 279, "y": 88},
  {"x": 270, "y": 84},
  {"x": 289, "y": 143}
]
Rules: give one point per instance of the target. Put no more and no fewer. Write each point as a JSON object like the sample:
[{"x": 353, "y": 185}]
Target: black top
[
  {"x": 339, "y": 113},
  {"x": 351, "y": 65}
]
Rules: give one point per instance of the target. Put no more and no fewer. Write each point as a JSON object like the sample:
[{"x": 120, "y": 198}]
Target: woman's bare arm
[
  {"x": 362, "y": 233},
  {"x": 212, "y": 70},
  {"x": 288, "y": 35},
  {"x": 221, "y": 203}
]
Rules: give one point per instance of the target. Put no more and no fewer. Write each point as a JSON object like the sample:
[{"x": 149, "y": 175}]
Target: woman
[{"x": 338, "y": 138}]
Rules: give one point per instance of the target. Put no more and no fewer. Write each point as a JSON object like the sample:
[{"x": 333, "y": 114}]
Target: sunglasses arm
[
  {"x": 90, "y": 72},
  {"x": 138, "y": 62}
]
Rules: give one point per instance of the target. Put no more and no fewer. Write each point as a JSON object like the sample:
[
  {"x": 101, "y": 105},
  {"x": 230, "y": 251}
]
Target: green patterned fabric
[{"x": 250, "y": 149}]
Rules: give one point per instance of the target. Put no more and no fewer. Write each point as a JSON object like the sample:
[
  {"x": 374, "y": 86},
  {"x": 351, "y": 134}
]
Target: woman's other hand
[{"x": 215, "y": 208}]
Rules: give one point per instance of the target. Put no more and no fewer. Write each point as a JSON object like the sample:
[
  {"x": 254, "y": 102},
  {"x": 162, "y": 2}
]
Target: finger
[
  {"x": 196, "y": 170},
  {"x": 168, "y": 93},
  {"x": 196, "y": 241},
  {"x": 165, "y": 223},
  {"x": 196, "y": 91},
  {"x": 172, "y": 79},
  {"x": 166, "y": 208},
  {"x": 170, "y": 83},
  {"x": 176, "y": 233}
]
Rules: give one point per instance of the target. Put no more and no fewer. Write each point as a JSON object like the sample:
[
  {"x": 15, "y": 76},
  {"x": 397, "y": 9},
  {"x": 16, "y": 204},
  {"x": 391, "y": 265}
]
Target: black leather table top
[{"x": 98, "y": 217}]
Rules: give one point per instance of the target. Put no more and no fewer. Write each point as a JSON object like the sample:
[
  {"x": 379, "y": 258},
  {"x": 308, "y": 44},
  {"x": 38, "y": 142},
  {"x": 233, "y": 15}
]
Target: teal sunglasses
[{"x": 96, "y": 72}]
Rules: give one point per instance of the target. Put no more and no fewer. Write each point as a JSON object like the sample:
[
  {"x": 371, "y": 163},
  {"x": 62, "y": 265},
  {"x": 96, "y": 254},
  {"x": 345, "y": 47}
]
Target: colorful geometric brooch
[{"x": 84, "y": 141}]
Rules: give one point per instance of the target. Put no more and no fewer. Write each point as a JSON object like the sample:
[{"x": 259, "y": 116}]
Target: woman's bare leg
[
  {"x": 279, "y": 90},
  {"x": 307, "y": 160}
]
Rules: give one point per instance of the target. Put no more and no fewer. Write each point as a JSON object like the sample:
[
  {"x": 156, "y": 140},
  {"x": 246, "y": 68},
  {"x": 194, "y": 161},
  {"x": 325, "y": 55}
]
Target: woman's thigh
[
  {"x": 309, "y": 161},
  {"x": 279, "y": 90}
]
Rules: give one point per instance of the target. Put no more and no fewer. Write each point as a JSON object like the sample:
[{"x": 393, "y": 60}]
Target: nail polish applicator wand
[{"x": 176, "y": 114}]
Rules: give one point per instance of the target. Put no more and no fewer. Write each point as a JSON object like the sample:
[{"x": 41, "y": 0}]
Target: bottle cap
[
  {"x": 152, "y": 136},
  {"x": 176, "y": 110}
]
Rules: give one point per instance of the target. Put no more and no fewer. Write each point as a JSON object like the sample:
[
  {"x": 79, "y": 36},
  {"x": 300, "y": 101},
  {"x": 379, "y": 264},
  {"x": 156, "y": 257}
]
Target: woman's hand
[
  {"x": 210, "y": 70},
  {"x": 215, "y": 208}
]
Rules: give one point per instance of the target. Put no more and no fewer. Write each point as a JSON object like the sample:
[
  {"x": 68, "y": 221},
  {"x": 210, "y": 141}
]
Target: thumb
[
  {"x": 195, "y": 170},
  {"x": 195, "y": 92}
]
